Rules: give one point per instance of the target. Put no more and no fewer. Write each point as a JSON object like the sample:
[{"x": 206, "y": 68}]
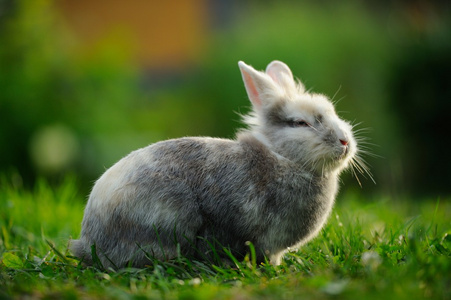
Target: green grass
[{"x": 370, "y": 249}]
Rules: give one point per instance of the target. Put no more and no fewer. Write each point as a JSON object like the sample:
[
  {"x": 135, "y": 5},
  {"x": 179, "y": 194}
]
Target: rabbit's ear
[
  {"x": 257, "y": 84},
  {"x": 280, "y": 73}
]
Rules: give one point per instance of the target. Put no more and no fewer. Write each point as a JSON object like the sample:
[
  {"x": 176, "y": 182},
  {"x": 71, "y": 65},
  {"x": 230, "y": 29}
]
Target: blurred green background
[{"x": 83, "y": 83}]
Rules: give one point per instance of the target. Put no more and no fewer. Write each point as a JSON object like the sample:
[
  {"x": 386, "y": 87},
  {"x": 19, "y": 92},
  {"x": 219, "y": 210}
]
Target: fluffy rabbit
[{"x": 274, "y": 185}]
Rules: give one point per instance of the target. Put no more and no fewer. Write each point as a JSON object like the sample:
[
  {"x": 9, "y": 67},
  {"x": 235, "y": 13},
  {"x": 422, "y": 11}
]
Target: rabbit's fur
[{"x": 274, "y": 185}]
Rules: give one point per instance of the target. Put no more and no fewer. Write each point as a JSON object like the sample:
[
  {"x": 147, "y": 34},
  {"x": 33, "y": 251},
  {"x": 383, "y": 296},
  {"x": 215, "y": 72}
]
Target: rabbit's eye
[{"x": 300, "y": 123}]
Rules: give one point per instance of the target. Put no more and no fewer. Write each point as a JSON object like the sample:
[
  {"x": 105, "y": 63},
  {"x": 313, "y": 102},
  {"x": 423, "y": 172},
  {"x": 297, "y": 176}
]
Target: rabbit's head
[{"x": 297, "y": 125}]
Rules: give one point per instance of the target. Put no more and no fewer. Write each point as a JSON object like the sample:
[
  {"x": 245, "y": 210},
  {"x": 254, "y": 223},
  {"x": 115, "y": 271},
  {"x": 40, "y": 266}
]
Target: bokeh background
[{"x": 83, "y": 83}]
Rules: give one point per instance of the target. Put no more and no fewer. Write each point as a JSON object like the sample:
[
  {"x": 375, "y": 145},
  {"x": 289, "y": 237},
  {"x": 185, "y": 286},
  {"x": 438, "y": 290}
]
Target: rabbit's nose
[{"x": 344, "y": 142}]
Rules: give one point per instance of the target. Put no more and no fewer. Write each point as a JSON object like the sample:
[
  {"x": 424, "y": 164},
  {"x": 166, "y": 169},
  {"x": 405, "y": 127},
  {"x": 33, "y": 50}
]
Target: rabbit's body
[{"x": 274, "y": 185}]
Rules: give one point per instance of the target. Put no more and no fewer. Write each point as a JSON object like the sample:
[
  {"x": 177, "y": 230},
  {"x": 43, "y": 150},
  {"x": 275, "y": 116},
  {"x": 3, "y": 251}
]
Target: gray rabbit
[{"x": 274, "y": 185}]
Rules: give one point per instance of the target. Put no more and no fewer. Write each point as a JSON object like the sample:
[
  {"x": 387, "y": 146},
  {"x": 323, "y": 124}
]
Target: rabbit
[{"x": 274, "y": 185}]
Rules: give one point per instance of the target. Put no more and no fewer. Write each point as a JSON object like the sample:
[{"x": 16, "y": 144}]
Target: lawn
[{"x": 381, "y": 248}]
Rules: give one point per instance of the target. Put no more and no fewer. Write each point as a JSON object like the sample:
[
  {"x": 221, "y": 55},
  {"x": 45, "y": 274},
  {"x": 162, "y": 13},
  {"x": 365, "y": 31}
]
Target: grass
[{"x": 368, "y": 250}]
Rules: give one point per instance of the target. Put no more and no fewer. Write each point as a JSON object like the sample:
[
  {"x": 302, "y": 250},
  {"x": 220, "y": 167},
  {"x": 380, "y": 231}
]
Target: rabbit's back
[{"x": 162, "y": 195}]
